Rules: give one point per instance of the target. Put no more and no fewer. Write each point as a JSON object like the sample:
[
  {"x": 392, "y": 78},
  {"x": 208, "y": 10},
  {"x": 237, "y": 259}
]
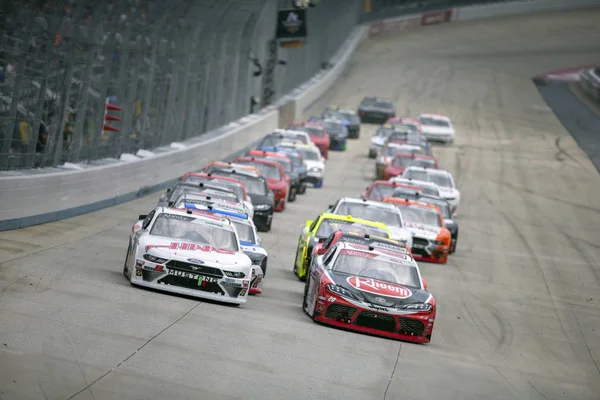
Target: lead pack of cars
[{"x": 357, "y": 258}]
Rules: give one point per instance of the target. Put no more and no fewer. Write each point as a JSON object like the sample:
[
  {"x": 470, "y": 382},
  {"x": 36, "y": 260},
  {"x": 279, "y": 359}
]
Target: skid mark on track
[
  {"x": 393, "y": 372},
  {"x": 89, "y": 386}
]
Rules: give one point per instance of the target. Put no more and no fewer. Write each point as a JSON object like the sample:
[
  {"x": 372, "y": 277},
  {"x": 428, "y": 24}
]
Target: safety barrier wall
[
  {"x": 590, "y": 83},
  {"x": 45, "y": 197}
]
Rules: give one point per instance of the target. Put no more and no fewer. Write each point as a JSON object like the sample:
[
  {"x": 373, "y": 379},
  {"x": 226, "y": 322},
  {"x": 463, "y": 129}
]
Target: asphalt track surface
[{"x": 518, "y": 316}]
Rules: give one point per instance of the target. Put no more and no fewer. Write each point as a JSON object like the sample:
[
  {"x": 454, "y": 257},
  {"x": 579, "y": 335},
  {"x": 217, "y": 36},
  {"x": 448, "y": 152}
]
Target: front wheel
[
  {"x": 302, "y": 188},
  {"x": 125, "y": 271},
  {"x": 292, "y": 196}
]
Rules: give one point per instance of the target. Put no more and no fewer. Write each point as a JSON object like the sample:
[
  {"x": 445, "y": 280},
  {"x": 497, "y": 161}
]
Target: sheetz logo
[
  {"x": 373, "y": 286},
  {"x": 292, "y": 23}
]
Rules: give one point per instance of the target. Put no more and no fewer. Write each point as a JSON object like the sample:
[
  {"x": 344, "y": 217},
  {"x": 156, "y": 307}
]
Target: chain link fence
[{"x": 177, "y": 68}]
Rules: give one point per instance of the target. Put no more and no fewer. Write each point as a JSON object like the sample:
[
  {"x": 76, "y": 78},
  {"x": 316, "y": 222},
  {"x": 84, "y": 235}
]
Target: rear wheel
[{"x": 293, "y": 194}]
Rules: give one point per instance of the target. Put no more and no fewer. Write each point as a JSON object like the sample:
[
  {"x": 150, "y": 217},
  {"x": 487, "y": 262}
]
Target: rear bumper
[{"x": 338, "y": 144}]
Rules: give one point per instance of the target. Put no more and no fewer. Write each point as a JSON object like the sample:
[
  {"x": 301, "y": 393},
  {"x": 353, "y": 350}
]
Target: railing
[{"x": 177, "y": 69}]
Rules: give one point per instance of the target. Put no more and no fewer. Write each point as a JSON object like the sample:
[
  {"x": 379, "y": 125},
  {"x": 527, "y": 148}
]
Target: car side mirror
[
  {"x": 142, "y": 216},
  {"x": 258, "y": 240},
  {"x": 424, "y": 284},
  {"x": 308, "y": 223}
]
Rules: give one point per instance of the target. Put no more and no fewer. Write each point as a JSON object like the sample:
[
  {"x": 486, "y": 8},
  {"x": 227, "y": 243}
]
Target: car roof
[
  {"x": 199, "y": 214},
  {"x": 237, "y": 171},
  {"x": 416, "y": 182},
  {"x": 435, "y": 116},
  {"x": 356, "y": 200},
  {"x": 381, "y": 254}
]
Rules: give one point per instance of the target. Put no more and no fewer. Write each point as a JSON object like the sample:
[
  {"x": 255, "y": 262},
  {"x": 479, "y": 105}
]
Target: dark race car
[
  {"x": 338, "y": 133},
  {"x": 376, "y": 110},
  {"x": 348, "y": 117},
  {"x": 370, "y": 289},
  {"x": 257, "y": 188}
]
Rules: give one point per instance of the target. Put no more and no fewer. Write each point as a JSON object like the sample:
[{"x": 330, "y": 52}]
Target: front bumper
[
  {"x": 314, "y": 178},
  {"x": 338, "y": 144},
  {"x": 415, "y": 327},
  {"x": 262, "y": 219},
  {"x": 374, "y": 117},
  {"x": 224, "y": 289},
  {"x": 425, "y": 250}
]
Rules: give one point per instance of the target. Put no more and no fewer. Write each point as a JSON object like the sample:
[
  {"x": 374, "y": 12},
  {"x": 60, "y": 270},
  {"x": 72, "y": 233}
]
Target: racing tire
[
  {"x": 292, "y": 197},
  {"x": 372, "y": 154},
  {"x": 302, "y": 188},
  {"x": 125, "y": 274},
  {"x": 295, "y": 269},
  {"x": 453, "y": 242}
]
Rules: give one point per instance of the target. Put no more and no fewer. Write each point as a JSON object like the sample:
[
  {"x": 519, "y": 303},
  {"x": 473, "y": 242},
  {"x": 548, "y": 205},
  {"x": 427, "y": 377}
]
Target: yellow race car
[{"x": 318, "y": 230}]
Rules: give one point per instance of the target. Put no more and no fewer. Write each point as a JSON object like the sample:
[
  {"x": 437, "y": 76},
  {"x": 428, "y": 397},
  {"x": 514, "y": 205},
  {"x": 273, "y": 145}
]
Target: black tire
[
  {"x": 305, "y": 296},
  {"x": 295, "y": 269},
  {"x": 453, "y": 243},
  {"x": 302, "y": 189},
  {"x": 292, "y": 197},
  {"x": 125, "y": 263},
  {"x": 263, "y": 265}
]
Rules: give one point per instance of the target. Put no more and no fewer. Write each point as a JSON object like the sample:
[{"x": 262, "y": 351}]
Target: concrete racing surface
[{"x": 519, "y": 303}]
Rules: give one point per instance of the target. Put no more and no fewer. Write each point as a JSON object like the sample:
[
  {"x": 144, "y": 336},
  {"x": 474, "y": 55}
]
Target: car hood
[
  {"x": 379, "y": 293},
  {"x": 312, "y": 164},
  {"x": 445, "y": 192},
  {"x": 426, "y": 231},
  {"x": 195, "y": 253},
  {"x": 398, "y": 233},
  {"x": 436, "y": 129},
  {"x": 378, "y": 140}
]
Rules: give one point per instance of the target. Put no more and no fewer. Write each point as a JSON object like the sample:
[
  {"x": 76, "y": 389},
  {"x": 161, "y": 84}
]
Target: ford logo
[{"x": 194, "y": 261}]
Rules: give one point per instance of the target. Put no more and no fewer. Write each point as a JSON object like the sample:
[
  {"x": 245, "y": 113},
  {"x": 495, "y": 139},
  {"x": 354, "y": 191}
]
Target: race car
[
  {"x": 388, "y": 152},
  {"x": 426, "y": 187},
  {"x": 379, "y": 139},
  {"x": 405, "y": 123},
  {"x": 280, "y": 135},
  {"x": 449, "y": 221},
  {"x": 250, "y": 243},
  {"x": 368, "y": 289},
  {"x": 337, "y": 131},
  {"x": 317, "y": 134},
  {"x": 313, "y": 160},
  {"x": 375, "y": 110},
  {"x": 297, "y": 163},
  {"x": 374, "y": 211},
  {"x": 235, "y": 185},
  {"x": 193, "y": 253},
  {"x": 277, "y": 180},
  {"x": 401, "y": 161},
  {"x": 208, "y": 201},
  {"x": 378, "y": 190},
  {"x": 262, "y": 198},
  {"x": 322, "y": 227},
  {"x": 348, "y": 118},
  {"x": 437, "y": 127},
  {"x": 431, "y": 238},
  {"x": 442, "y": 178},
  {"x": 289, "y": 168}
]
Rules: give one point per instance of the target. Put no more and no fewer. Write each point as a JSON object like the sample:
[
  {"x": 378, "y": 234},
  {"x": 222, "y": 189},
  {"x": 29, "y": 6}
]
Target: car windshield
[
  {"x": 423, "y": 163},
  {"x": 417, "y": 175},
  {"x": 406, "y": 193},
  {"x": 384, "y": 132},
  {"x": 328, "y": 226},
  {"x": 441, "y": 180},
  {"x": 403, "y": 161},
  {"x": 379, "y": 192},
  {"x": 309, "y": 154},
  {"x": 378, "y": 103},
  {"x": 403, "y": 125},
  {"x": 253, "y": 184},
  {"x": 350, "y": 116},
  {"x": 194, "y": 230},
  {"x": 286, "y": 164},
  {"x": 311, "y": 130},
  {"x": 218, "y": 194},
  {"x": 233, "y": 186},
  {"x": 420, "y": 215},
  {"x": 434, "y": 122},
  {"x": 401, "y": 274},
  {"x": 245, "y": 231},
  {"x": 332, "y": 127},
  {"x": 370, "y": 212},
  {"x": 268, "y": 171},
  {"x": 183, "y": 189},
  {"x": 428, "y": 189},
  {"x": 295, "y": 137},
  {"x": 442, "y": 204}
]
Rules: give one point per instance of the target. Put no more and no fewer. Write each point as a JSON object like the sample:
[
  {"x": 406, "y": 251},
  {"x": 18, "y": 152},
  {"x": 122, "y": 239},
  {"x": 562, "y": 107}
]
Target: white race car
[
  {"x": 250, "y": 242},
  {"x": 443, "y": 179},
  {"x": 193, "y": 253},
  {"x": 437, "y": 127},
  {"x": 313, "y": 161},
  {"x": 206, "y": 201},
  {"x": 375, "y": 211},
  {"x": 429, "y": 188}
]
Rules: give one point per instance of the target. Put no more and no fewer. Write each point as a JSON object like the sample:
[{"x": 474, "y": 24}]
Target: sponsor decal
[
  {"x": 419, "y": 246},
  {"x": 177, "y": 217},
  {"x": 332, "y": 299},
  {"x": 373, "y": 286},
  {"x": 138, "y": 272},
  {"x": 355, "y": 253},
  {"x": 232, "y": 284},
  {"x": 188, "y": 247},
  {"x": 195, "y": 261},
  {"x": 377, "y": 308},
  {"x": 202, "y": 280},
  {"x": 242, "y": 292},
  {"x": 139, "y": 263}
]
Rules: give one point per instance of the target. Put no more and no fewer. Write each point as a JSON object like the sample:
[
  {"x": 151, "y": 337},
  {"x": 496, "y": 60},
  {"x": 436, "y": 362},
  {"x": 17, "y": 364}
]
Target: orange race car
[{"x": 431, "y": 238}]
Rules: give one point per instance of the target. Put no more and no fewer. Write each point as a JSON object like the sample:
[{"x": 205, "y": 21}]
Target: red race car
[
  {"x": 401, "y": 161},
  {"x": 272, "y": 171},
  {"x": 317, "y": 134},
  {"x": 370, "y": 288},
  {"x": 382, "y": 189},
  {"x": 409, "y": 123}
]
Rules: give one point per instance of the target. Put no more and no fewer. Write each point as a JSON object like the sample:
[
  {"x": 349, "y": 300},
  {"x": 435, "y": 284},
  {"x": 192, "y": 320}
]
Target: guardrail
[
  {"x": 49, "y": 195},
  {"x": 590, "y": 83}
]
